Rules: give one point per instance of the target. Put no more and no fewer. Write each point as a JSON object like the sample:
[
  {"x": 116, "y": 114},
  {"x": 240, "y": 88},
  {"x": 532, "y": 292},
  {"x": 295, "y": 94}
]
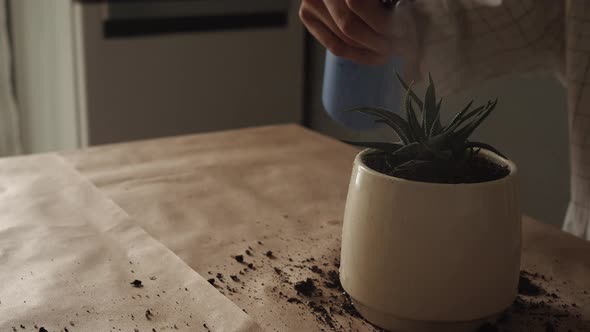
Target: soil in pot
[{"x": 473, "y": 170}]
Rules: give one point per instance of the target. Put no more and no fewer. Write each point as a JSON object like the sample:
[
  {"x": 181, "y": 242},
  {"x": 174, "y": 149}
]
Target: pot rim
[{"x": 358, "y": 160}]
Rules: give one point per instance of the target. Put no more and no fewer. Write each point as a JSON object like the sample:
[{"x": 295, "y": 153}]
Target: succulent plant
[
  {"x": 389, "y": 3},
  {"x": 424, "y": 141}
]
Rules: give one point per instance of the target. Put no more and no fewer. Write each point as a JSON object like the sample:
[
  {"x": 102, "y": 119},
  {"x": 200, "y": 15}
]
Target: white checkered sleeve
[{"x": 465, "y": 42}]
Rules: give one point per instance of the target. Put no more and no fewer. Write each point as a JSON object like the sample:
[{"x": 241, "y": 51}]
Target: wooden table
[{"x": 213, "y": 196}]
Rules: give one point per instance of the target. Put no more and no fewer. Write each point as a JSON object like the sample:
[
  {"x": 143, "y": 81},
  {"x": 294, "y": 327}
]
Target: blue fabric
[{"x": 349, "y": 85}]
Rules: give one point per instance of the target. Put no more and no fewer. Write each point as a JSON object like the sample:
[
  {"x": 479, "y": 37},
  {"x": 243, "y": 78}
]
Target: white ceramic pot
[{"x": 422, "y": 256}]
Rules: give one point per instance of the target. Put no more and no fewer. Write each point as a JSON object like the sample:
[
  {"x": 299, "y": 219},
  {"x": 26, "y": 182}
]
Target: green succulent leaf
[
  {"x": 409, "y": 90},
  {"x": 409, "y": 151},
  {"x": 468, "y": 129},
  {"x": 485, "y": 146},
  {"x": 459, "y": 115},
  {"x": 412, "y": 164},
  {"x": 425, "y": 141},
  {"x": 440, "y": 141},
  {"x": 465, "y": 117},
  {"x": 436, "y": 126},
  {"x": 396, "y": 122},
  {"x": 415, "y": 129},
  {"x": 430, "y": 110}
]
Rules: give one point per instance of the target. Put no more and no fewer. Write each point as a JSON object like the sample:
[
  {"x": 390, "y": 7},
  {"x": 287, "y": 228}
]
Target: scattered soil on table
[
  {"x": 149, "y": 314},
  {"x": 327, "y": 301},
  {"x": 239, "y": 258},
  {"x": 313, "y": 286},
  {"x": 316, "y": 269},
  {"x": 319, "y": 294},
  {"x": 306, "y": 287},
  {"x": 322, "y": 314},
  {"x": 527, "y": 287},
  {"x": 137, "y": 283},
  {"x": 220, "y": 277},
  {"x": 333, "y": 280},
  {"x": 538, "y": 309}
]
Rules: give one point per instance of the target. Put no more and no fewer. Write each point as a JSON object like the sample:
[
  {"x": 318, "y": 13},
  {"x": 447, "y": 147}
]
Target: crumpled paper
[{"x": 68, "y": 255}]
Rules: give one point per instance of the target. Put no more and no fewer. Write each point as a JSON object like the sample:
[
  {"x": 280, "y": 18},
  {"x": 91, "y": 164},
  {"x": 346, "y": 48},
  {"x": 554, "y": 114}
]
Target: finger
[
  {"x": 355, "y": 28},
  {"x": 337, "y": 46},
  {"x": 319, "y": 10},
  {"x": 374, "y": 14}
]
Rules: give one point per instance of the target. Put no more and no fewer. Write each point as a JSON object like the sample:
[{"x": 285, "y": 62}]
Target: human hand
[{"x": 361, "y": 30}]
